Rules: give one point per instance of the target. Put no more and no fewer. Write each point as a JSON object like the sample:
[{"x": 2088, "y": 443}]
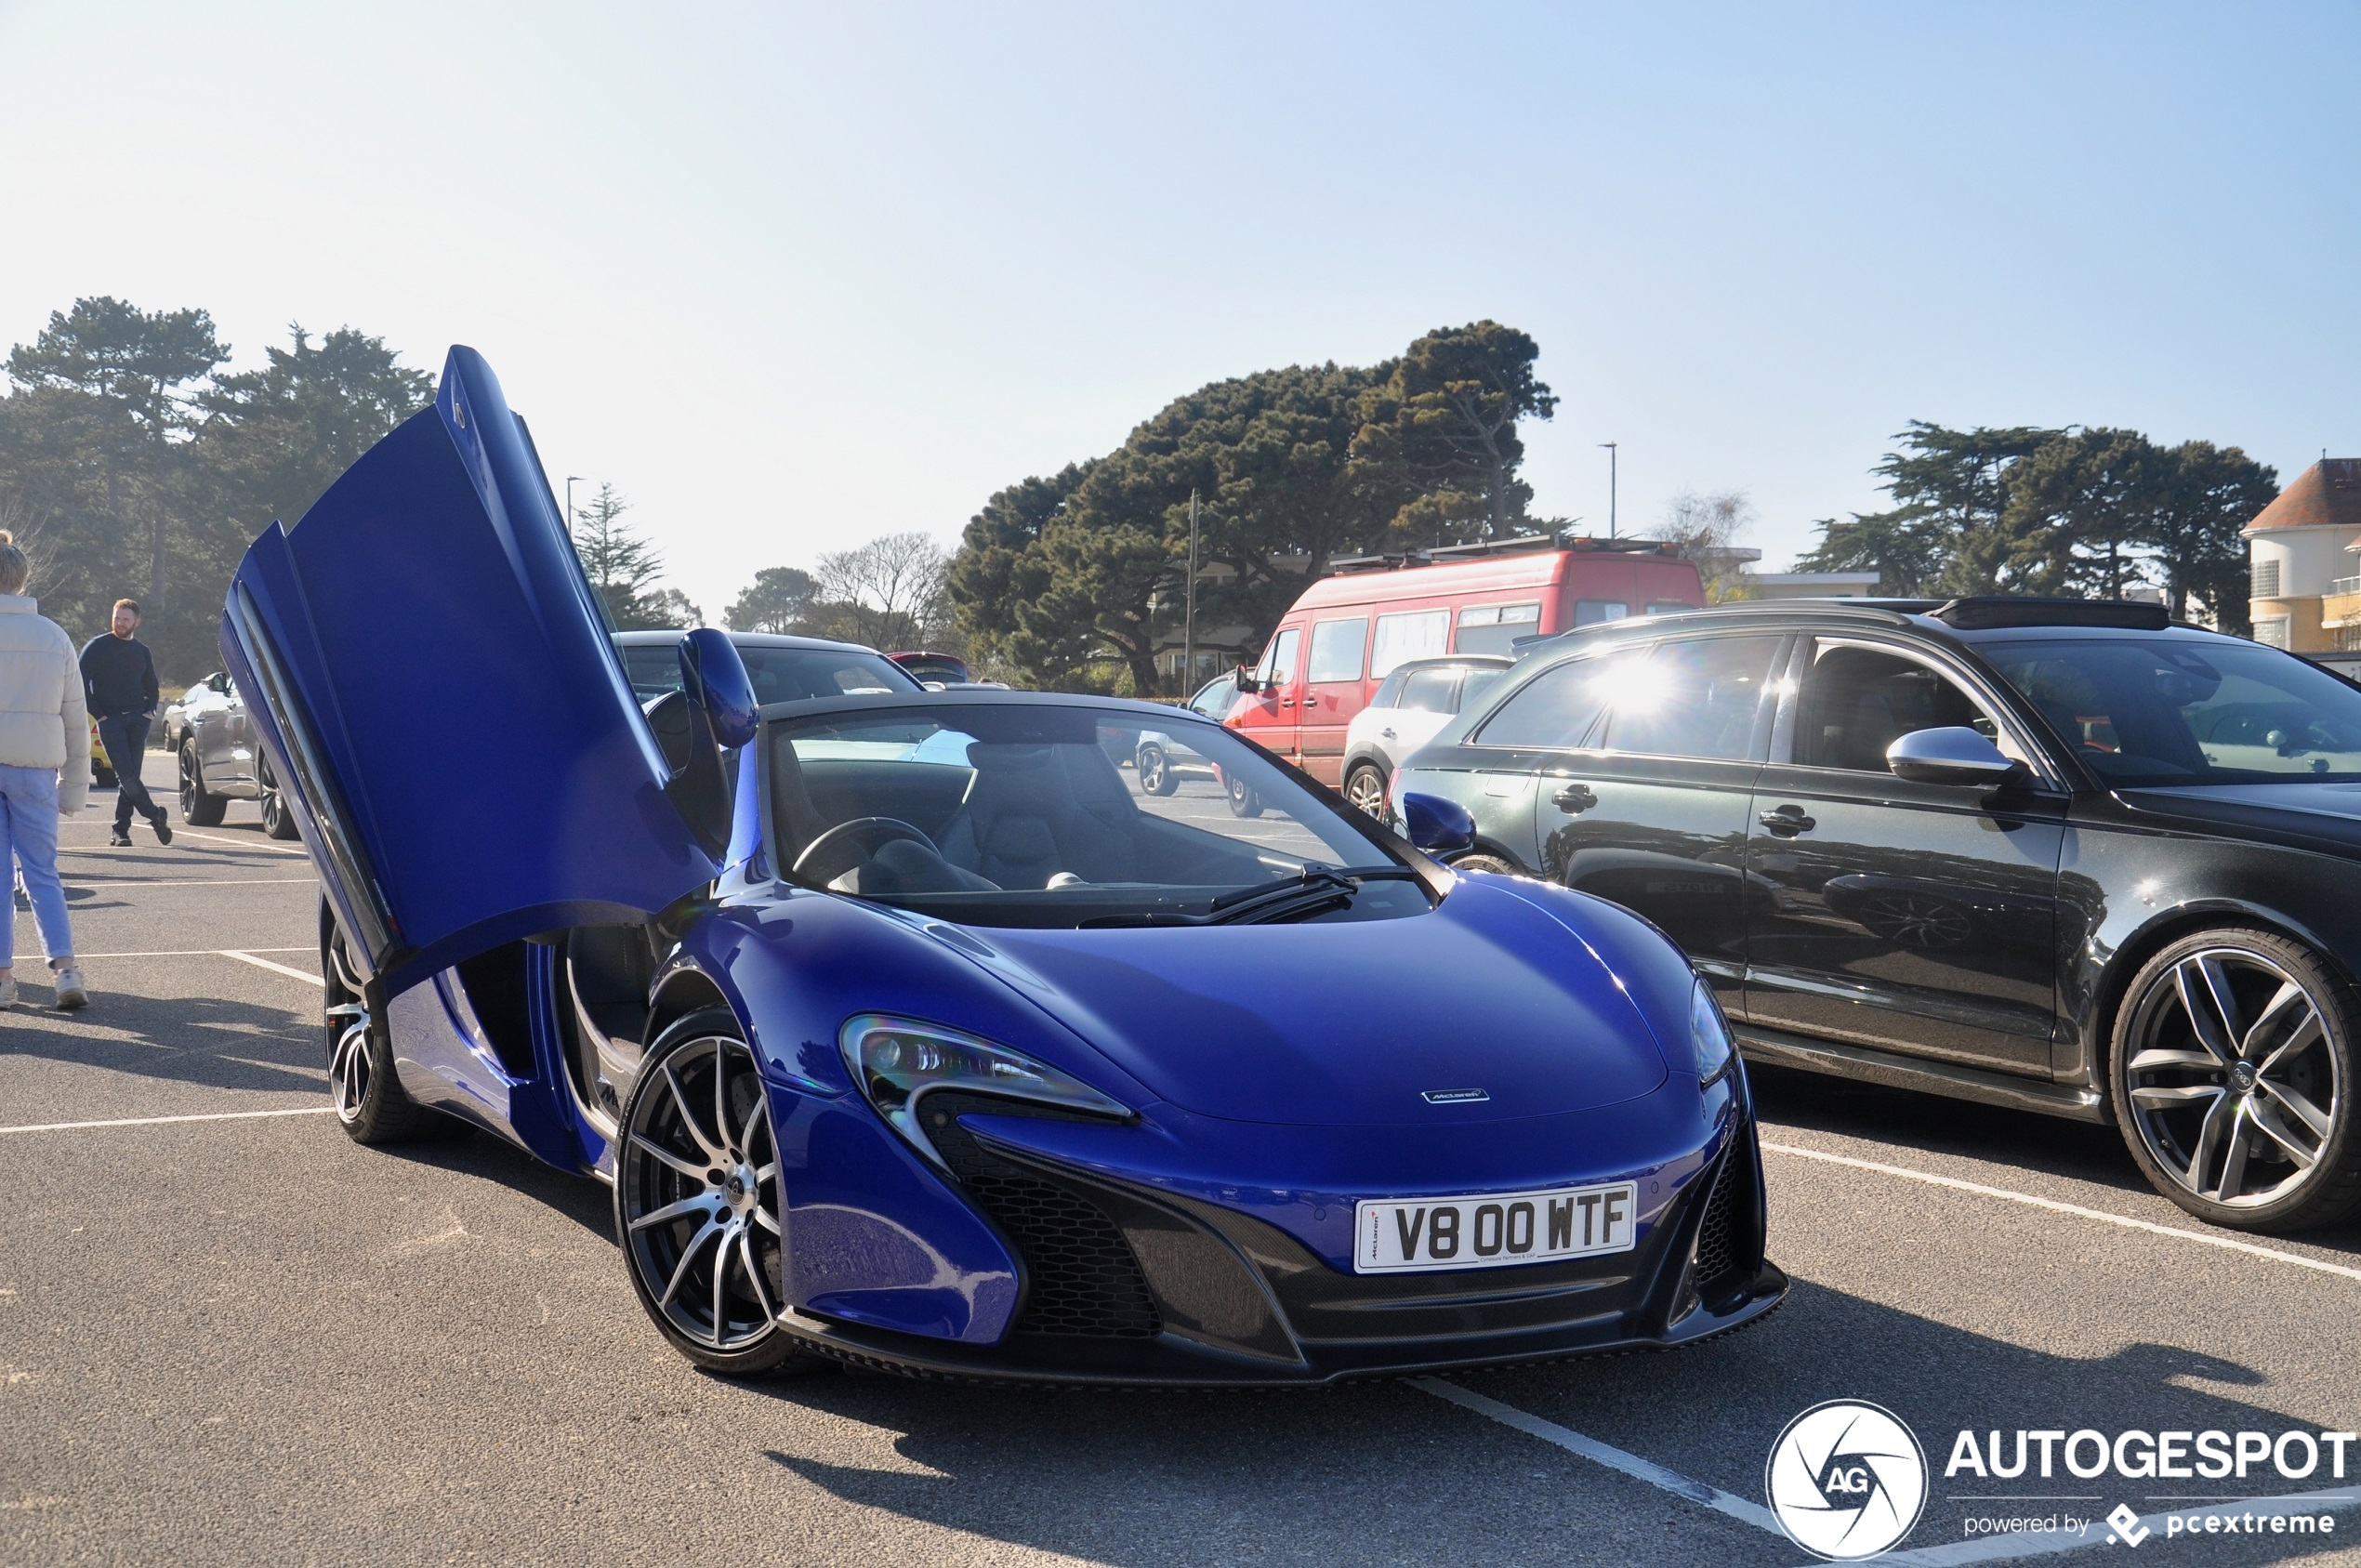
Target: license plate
[{"x": 1493, "y": 1231}]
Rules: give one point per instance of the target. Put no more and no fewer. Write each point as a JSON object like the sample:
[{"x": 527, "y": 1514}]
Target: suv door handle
[
  {"x": 1575, "y": 798},
  {"x": 1787, "y": 821}
]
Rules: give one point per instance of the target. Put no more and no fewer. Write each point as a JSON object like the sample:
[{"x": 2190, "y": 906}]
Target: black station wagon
[{"x": 2066, "y": 856}]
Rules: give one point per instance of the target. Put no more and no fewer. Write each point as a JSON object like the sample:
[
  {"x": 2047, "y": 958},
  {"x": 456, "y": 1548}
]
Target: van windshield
[{"x": 1023, "y": 814}]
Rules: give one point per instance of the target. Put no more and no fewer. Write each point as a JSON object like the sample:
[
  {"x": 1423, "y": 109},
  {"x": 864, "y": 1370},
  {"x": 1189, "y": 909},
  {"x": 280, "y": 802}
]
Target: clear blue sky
[{"x": 791, "y": 278}]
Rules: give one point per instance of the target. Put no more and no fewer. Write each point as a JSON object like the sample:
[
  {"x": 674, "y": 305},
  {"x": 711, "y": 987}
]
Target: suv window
[
  {"x": 1390, "y": 689},
  {"x": 1431, "y": 691},
  {"x": 1555, "y": 710},
  {"x": 1860, "y": 701},
  {"x": 1479, "y": 681},
  {"x": 1696, "y": 698}
]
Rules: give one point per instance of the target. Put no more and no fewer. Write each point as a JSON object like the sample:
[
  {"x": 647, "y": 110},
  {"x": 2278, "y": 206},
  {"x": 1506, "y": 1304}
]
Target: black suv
[{"x": 2066, "y": 856}]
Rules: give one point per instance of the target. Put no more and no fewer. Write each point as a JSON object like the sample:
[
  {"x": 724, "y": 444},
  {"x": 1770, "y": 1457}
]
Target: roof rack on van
[
  {"x": 1976, "y": 613},
  {"x": 1523, "y": 543}
]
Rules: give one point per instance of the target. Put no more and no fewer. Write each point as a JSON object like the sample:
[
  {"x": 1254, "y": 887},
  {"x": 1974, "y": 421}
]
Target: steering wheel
[{"x": 871, "y": 833}]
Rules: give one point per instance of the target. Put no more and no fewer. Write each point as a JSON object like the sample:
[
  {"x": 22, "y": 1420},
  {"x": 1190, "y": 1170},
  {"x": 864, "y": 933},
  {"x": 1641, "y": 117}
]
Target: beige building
[{"x": 2304, "y": 552}]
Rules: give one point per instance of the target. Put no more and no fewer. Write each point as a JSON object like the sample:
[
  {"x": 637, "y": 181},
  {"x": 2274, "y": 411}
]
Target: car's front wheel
[
  {"x": 696, "y": 1200},
  {"x": 2232, "y": 1069},
  {"x": 277, "y": 820},
  {"x": 1364, "y": 789},
  {"x": 1244, "y": 799},
  {"x": 1156, "y": 770},
  {"x": 199, "y": 807},
  {"x": 369, "y": 1102}
]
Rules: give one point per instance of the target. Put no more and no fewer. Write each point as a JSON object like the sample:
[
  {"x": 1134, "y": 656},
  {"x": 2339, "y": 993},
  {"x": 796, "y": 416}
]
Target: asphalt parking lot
[{"x": 228, "y": 1334}]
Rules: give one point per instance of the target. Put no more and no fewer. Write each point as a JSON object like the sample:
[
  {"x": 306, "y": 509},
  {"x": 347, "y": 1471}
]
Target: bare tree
[
  {"x": 888, "y": 593},
  {"x": 1706, "y": 529}
]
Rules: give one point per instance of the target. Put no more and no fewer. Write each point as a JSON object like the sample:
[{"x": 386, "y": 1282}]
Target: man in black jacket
[{"x": 119, "y": 676}]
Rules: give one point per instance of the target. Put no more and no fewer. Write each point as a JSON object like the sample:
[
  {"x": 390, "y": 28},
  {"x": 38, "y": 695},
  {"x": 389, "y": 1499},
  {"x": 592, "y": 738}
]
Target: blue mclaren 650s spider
[{"x": 909, "y": 1031}]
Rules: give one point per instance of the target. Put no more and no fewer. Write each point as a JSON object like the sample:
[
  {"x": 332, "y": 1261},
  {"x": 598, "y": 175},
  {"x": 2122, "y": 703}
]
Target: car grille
[
  {"x": 1717, "y": 1252},
  {"x": 1082, "y": 1279}
]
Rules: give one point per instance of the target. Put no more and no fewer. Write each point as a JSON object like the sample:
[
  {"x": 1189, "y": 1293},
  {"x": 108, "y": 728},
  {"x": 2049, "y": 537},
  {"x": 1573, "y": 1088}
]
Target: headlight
[
  {"x": 896, "y": 1060},
  {"x": 1709, "y": 1036}
]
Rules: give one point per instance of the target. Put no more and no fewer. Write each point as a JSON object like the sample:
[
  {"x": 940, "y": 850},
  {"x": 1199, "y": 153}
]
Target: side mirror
[
  {"x": 1954, "y": 754},
  {"x": 715, "y": 709},
  {"x": 1437, "y": 825},
  {"x": 715, "y": 678},
  {"x": 1246, "y": 682}
]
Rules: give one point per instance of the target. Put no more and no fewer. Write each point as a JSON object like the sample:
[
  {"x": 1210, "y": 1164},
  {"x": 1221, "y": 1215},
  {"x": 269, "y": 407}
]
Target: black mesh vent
[
  {"x": 1083, "y": 1279},
  {"x": 1717, "y": 1234}
]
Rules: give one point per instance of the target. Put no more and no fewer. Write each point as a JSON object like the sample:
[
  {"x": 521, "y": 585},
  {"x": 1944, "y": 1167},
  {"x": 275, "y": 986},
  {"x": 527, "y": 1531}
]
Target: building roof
[{"x": 2326, "y": 494}]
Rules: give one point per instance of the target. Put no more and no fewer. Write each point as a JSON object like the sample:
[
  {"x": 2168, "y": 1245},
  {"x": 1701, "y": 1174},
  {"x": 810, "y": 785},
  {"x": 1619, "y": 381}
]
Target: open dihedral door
[{"x": 433, "y": 680}]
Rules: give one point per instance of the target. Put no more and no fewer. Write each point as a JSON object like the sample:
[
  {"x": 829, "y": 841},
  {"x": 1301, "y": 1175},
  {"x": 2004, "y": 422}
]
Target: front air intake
[{"x": 1082, "y": 1278}]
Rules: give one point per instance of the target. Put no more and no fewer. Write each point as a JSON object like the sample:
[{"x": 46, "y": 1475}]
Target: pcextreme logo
[{"x": 1846, "y": 1480}]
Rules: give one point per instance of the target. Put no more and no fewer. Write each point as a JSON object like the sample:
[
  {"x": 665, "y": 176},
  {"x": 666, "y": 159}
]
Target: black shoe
[
  {"x": 162, "y": 824},
  {"x": 122, "y": 839}
]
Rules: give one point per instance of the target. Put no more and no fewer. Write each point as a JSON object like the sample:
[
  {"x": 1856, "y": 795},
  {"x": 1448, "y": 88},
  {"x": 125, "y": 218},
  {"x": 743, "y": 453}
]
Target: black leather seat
[{"x": 1034, "y": 812}]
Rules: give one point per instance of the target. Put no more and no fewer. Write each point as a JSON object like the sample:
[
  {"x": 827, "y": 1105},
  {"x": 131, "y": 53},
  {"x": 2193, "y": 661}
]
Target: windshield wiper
[{"x": 1309, "y": 891}]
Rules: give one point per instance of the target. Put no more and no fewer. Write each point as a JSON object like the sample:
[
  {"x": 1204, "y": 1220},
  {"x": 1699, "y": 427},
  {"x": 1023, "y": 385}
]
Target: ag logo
[{"x": 1846, "y": 1480}]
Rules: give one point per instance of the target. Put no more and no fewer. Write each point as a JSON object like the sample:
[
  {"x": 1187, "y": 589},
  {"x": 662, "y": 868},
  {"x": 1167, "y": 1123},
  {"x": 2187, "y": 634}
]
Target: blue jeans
[
  {"x": 29, "y": 835},
  {"x": 126, "y": 737}
]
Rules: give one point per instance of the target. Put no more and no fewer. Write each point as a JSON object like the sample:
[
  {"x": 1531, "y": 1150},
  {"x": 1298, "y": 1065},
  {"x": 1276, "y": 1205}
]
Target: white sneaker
[
  {"x": 70, "y": 991},
  {"x": 9, "y": 992}
]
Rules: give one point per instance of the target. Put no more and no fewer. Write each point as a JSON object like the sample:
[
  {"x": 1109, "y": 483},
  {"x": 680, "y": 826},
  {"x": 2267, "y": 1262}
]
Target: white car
[
  {"x": 1161, "y": 761},
  {"x": 1417, "y": 699}
]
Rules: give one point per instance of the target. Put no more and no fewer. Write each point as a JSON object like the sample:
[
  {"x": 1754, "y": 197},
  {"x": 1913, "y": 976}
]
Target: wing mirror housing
[
  {"x": 1437, "y": 825},
  {"x": 1246, "y": 681},
  {"x": 717, "y": 700},
  {"x": 715, "y": 678},
  {"x": 1954, "y": 754}
]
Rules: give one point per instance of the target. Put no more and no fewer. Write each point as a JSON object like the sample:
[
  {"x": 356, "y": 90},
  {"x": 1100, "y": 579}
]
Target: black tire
[
  {"x": 2231, "y": 1068},
  {"x": 199, "y": 807},
  {"x": 1156, "y": 770},
  {"x": 1481, "y": 861},
  {"x": 277, "y": 820},
  {"x": 1244, "y": 801},
  {"x": 369, "y": 1101},
  {"x": 101, "y": 777},
  {"x": 1364, "y": 789},
  {"x": 689, "y": 1206}
]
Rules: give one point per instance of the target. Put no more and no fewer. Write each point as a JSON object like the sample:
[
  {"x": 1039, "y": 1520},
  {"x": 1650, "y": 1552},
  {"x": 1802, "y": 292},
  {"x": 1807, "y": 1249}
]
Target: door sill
[{"x": 1781, "y": 1049}]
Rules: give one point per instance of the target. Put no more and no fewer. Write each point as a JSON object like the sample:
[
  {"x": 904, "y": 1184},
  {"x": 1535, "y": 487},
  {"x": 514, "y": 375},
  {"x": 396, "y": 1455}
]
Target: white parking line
[
  {"x": 160, "y": 1121},
  {"x": 275, "y": 969},
  {"x": 2227, "y": 1244},
  {"x": 191, "y": 953},
  {"x": 2005, "y": 1548},
  {"x": 1604, "y": 1454}
]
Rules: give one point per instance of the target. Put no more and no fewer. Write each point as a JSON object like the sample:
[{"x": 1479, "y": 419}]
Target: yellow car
[{"x": 101, "y": 765}]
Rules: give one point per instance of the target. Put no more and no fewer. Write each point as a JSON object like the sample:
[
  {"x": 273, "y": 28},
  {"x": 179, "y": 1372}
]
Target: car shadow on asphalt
[
  {"x": 1381, "y": 1473},
  {"x": 453, "y": 1145},
  {"x": 1938, "y": 1125},
  {"x": 198, "y": 1040}
]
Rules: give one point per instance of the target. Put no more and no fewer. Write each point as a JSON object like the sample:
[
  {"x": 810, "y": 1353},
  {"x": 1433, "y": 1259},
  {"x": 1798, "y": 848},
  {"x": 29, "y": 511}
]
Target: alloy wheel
[
  {"x": 697, "y": 1192},
  {"x": 274, "y": 808},
  {"x": 1366, "y": 792},
  {"x": 191, "y": 796},
  {"x": 1152, "y": 766},
  {"x": 2233, "y": 1082},
  {"x": 349, "y": 1064}
]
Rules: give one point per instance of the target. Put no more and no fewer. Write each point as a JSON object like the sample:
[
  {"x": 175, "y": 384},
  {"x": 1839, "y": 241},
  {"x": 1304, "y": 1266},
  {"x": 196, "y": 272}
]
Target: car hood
[
  {"x": 2323, "y": 811},
  {"x": 1350, "y": 1023}
]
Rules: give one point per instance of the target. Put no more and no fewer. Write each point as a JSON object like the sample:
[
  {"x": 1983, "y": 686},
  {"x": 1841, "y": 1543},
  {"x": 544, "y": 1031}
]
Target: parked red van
[{"x": 1348, "y": 630}]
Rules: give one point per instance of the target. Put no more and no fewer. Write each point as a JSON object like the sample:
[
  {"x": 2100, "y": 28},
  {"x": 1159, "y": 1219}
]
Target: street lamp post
[
  {"x": 1610, "y": 447},
  {"x": 572, "y": 480},
  {"x": 1189, "y": 616}
]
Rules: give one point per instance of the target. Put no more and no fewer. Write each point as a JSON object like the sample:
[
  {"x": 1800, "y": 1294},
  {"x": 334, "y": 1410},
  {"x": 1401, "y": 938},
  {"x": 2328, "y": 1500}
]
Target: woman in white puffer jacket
[{"x": 44, "y": 768}]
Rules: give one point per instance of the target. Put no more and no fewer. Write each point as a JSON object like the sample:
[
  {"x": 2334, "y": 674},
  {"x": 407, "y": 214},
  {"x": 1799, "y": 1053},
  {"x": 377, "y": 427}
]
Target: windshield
[
  {"x": 1019, "y": 815},
  {"x": 780, "y": 675},
  {"x": 2169, "y": 712}
]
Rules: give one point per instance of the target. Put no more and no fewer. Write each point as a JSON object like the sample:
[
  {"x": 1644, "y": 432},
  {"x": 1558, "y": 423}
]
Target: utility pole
[
  {"x": 1189, "y": 616},
  {"x": 572, "y": 480},
  {"x": 1610, "y": 447}
]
